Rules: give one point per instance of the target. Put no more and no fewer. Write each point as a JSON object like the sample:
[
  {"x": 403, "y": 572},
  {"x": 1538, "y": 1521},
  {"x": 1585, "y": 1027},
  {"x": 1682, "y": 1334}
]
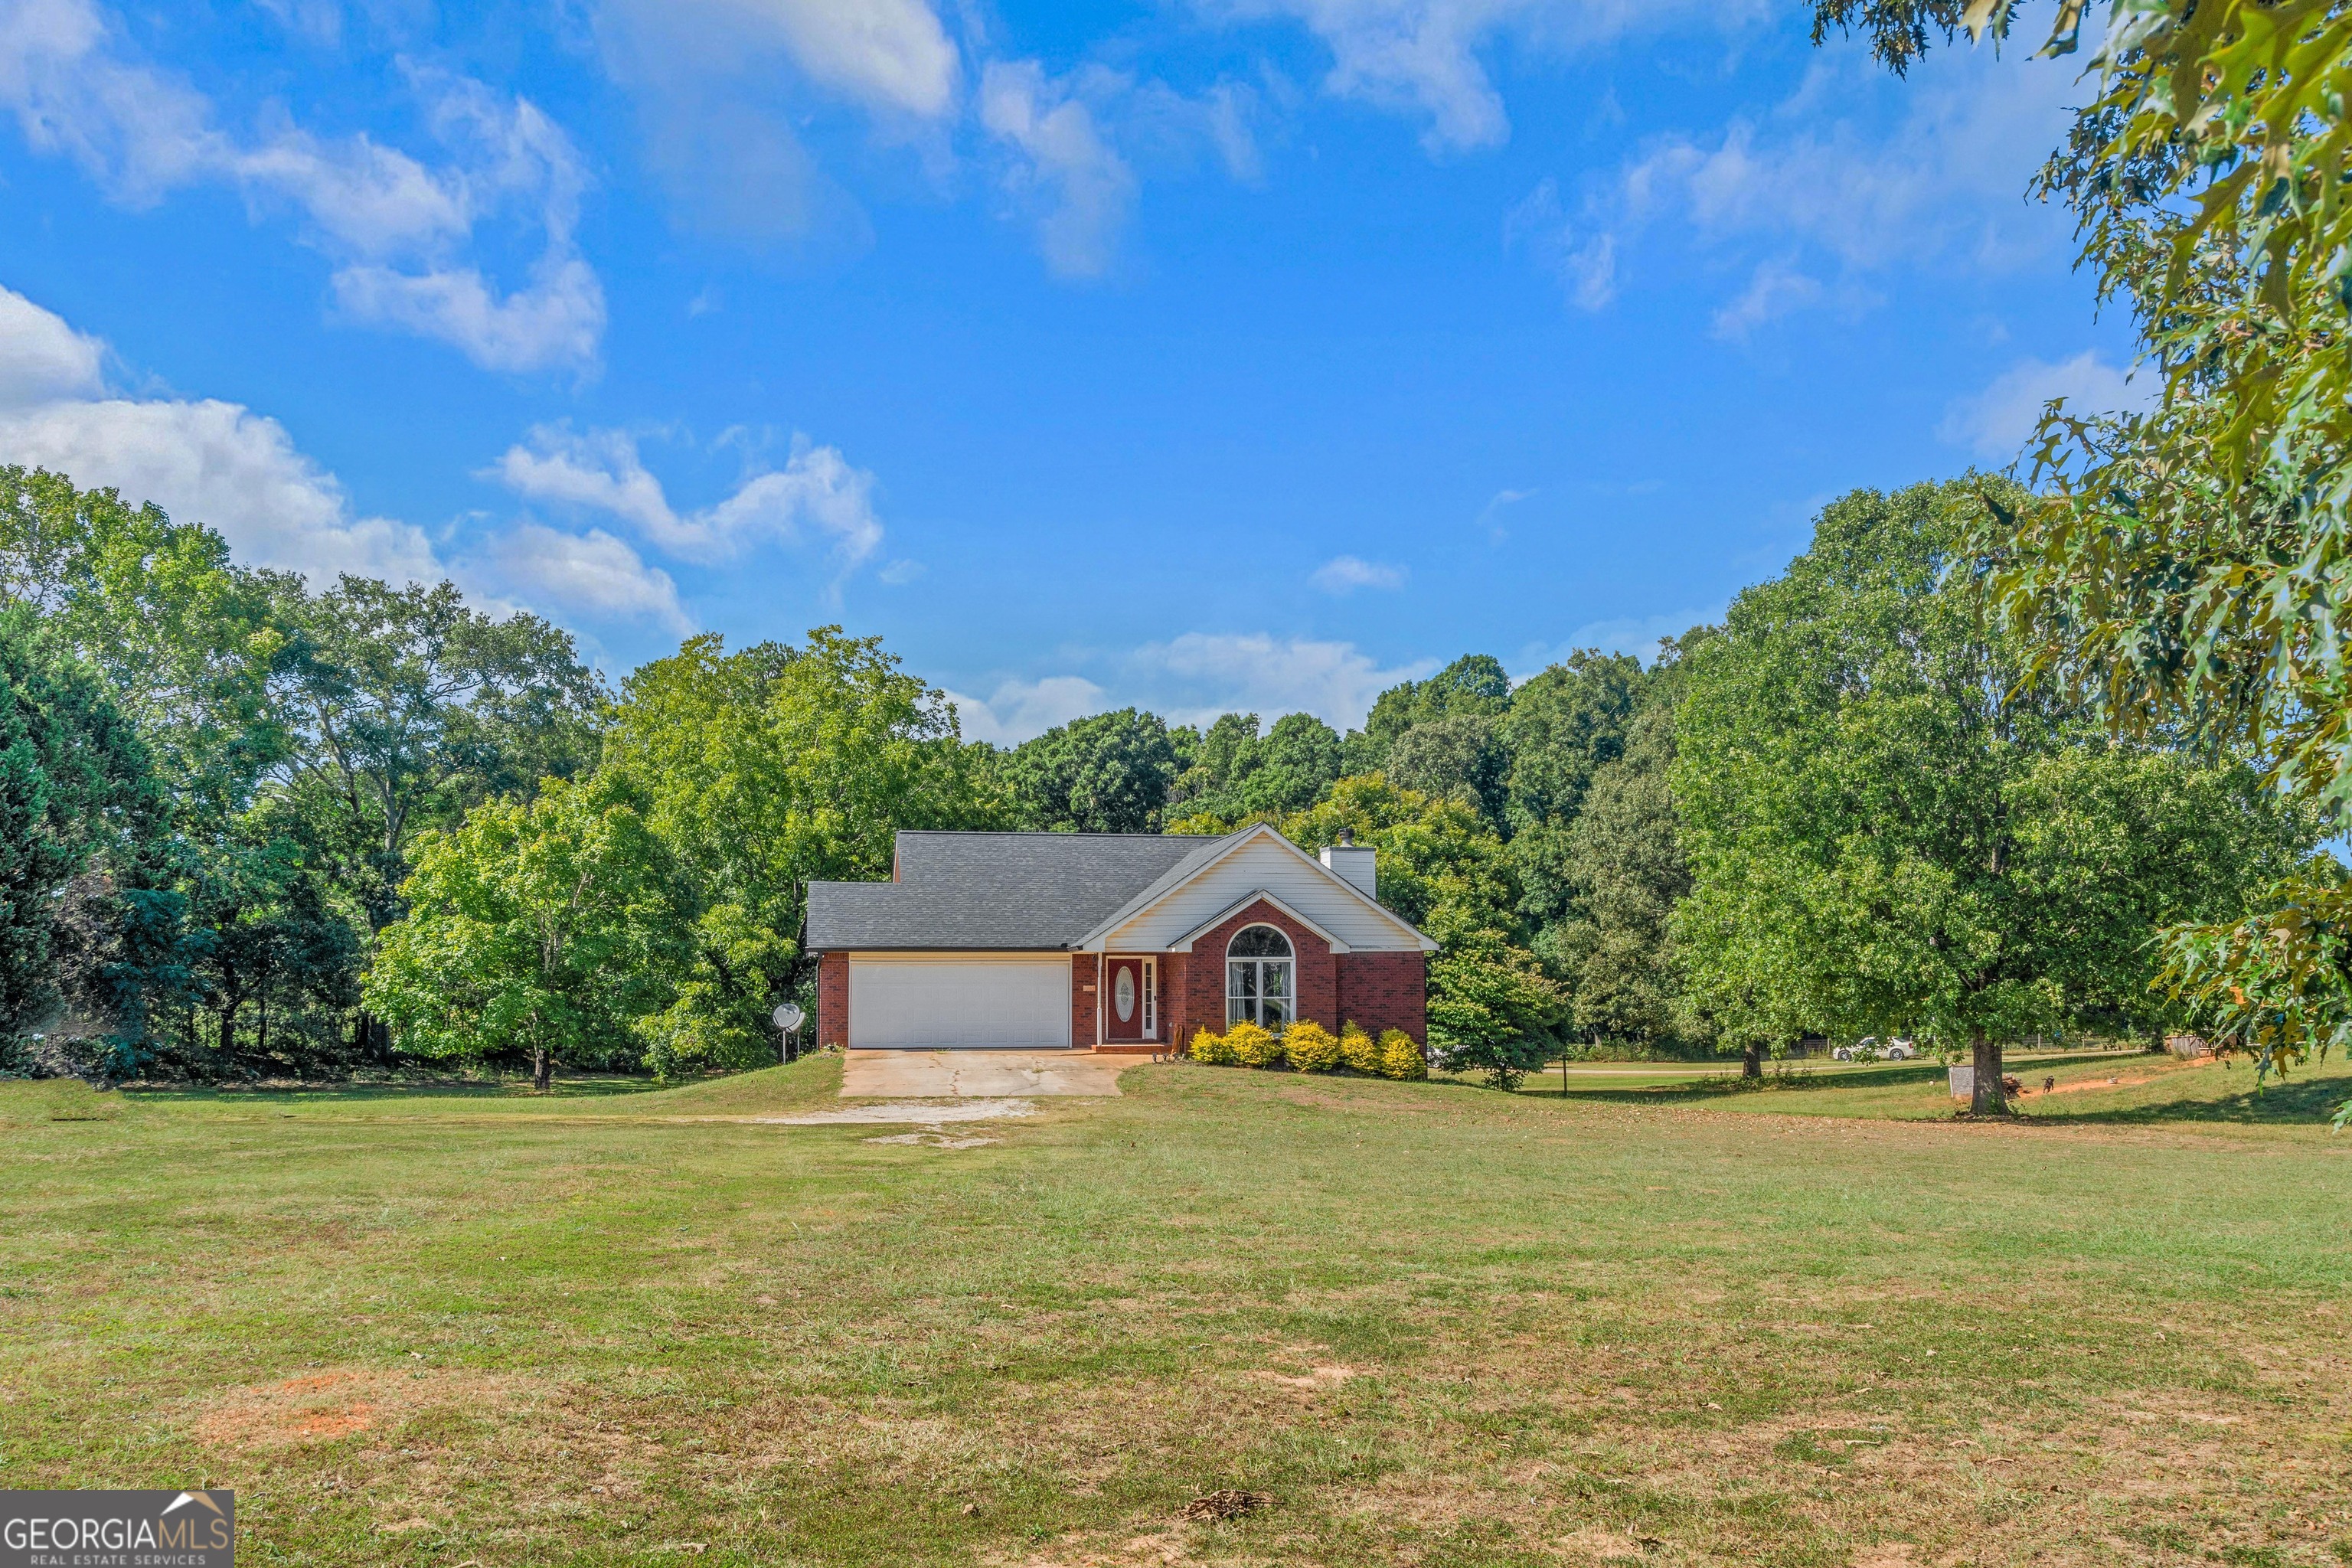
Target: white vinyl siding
[
  {"x": 1263, "y": 866},
  {"x": 965, "y": 1003}
]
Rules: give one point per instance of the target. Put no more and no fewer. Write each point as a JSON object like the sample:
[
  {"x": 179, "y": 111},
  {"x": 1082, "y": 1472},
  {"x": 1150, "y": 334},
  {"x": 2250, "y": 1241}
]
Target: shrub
[
  {"x": 1401, "y": 1056},
  {"x": 1359, "y": 1052},
  {"x": 1252, "y": 1045},
  {"x": 1214, "y": 1049},
  {"x": 1310, "y": 1046}
]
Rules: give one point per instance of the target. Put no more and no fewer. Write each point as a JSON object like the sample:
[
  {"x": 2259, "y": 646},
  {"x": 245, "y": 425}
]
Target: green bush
[
  {"x": 1401, "y": 1056},
  {"x": 1359, "y": 1052},
  {"x": 1252, "y": 1046},
  {"x": 1310, "y": 1046},
  {"x": 1214, "y": 1049}
]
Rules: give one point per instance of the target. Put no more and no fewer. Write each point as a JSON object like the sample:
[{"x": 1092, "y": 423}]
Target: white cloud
[
  {"x": 1826, "y": 193},
  {"x": 42, "y": 358},
  {"x": 725, "y": 88},
  {"x": 398, "y": 230},
  {"x": 1346, "y": 574},
  {"x": 1636, "y": 635},
  {"x": 889, "y": 54},
  {"x": 1022, "y": 709},
  {"x": 900, "y": 573},
  {"x": 1584, "y": 262},
  {"x": 239, "y": 473},
  {"x": 208, "y": 461},
  {"x": 1421, "y": 56},
  {"x": 1775, "y": 290},
  {"x": 1209, "y": 673},
  {"x": 594, "y": 573},
  {"x": 601, "y": 471},
  {"x": 1945, "y": 181},
  {"x": 1065, "y": 167},
  {"x": 1193, "y": 679},
  {"x": 1996, "y": 423}
]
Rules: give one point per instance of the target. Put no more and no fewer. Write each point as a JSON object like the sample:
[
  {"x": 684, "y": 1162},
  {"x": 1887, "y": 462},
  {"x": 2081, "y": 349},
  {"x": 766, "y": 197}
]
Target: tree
[
  {"x": 76, "y": 787},
  {"x": 1297, "y": 761},
  {"x": 1443, "y": 868},
  {"x": 2185, "y": 568},
  {"x": 1109, "y": 773},
  {"x": 1492, "y": 1010},
  {"x": 765, "y": 770},
  {"x": 1563, "y": 725},
  {"x": 1474, "y": 683},
  {"x": 189, "y": 643},
  {"x": 539, "y": 929},
  {"x": 1886, "y": 828},
  {"x": 409, "y": 708},
  {"x": 1626, "y": 864},
  {"x": 1461, "y": 755}
]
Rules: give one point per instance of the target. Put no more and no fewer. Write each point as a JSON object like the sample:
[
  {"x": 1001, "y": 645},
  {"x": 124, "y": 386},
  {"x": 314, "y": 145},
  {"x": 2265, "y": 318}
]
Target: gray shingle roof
[{"x": 997, "y": 891}]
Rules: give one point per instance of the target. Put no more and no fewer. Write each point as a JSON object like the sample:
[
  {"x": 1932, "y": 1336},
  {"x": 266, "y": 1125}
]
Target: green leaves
[
  {"x": 762, "y": 771},
  {"x": 1887, "y": 832},
  {"x": 536, "y": 927}
]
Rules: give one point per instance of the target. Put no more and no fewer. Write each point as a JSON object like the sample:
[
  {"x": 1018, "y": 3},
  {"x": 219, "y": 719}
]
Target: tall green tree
[
  {"x": 1238, "y": 776},
  {"x": 1109, "y": 773},
  {"x": 1474, "y": 683},
  {"x": 1627, "y": 873},
  {"x": 1461, "y": 755},
  {"x": 76, "y": 787},
  {"x": 541, "y": 929},
  {"x": 1565, "y": 724},
  {"x": 1883, "y": 822},
  {"x": 409, "y": 707},
  {"x": 761, "y": 772},
  {"x": 2187, "y": 567}
]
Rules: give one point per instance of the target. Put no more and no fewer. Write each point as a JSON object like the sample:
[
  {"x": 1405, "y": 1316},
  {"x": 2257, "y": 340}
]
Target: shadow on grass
[
  {"x": 1789, "y": 1077},
  {"x": 2299, "y": 1100},
  {"x": 587, "y": 1086}
]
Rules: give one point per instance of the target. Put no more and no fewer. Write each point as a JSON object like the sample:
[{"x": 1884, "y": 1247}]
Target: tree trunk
[
  {"x": 1751, "y": 1060},
  {"x": 1984, "y": 1054},
  {"x": 543, "y": 1068},
  {"x": 228, "y": 1030}
]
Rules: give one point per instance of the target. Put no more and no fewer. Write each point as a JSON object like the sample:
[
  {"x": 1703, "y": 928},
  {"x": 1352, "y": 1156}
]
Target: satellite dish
[{"x": 788, "y": 1016}]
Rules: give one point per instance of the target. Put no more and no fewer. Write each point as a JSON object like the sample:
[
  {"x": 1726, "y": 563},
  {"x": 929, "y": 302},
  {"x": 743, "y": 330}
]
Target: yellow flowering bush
[
  {"x": 1212, "y": 1049},
  {"x": 1359, "y": 1052},
  {"x": 1310, "y": 1046},
  {"x": 1401, "y": 1056},
  {"x": 1252, "y": 1045}
]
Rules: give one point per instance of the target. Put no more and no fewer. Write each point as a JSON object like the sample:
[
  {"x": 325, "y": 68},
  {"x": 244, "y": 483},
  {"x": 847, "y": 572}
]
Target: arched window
[{"x": 1258, "y": 978}]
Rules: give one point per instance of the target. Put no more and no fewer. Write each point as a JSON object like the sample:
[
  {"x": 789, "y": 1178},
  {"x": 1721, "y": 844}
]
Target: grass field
[{"x": 1657, "y": 1317}]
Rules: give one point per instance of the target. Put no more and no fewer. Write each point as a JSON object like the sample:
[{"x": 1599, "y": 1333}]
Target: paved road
[{"x": 936, "y": 1074}]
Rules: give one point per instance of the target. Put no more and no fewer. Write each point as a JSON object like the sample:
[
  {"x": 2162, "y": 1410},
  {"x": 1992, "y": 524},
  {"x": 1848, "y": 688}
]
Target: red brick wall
[
  {"x": 833, "y": 999},
  {"x": 1197, "y": 996},
  {"x": 1082, "y": 999},
  {"x": 1386, "y": 991}
]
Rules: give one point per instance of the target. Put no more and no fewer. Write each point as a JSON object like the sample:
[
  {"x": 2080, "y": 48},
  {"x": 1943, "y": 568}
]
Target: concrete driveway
[{"x": 934, "y": 1075}]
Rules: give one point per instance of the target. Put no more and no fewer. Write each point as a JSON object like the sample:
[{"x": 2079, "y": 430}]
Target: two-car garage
[{"x": 928, "y": 1001}]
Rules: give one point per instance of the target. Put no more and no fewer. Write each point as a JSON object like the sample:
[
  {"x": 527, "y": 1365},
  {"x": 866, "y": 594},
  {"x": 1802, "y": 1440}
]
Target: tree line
[{"x": 255, "y": 828}]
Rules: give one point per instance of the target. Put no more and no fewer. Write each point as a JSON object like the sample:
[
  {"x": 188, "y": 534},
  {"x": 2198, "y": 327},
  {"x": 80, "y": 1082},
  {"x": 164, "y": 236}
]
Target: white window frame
[{"x": 1256, "y": 1002}]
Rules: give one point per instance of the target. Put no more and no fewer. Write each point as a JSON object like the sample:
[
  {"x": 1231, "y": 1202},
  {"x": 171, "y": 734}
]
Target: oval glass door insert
[{"x": 1123, "y": 994}]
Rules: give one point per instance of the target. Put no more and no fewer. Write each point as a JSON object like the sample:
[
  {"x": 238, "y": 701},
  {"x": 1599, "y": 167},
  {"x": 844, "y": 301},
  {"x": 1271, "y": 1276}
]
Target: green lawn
[{"x": 1658, "y": 1319}]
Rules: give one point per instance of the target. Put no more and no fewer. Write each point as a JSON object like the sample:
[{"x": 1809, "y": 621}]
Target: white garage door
[{"x": 948, "y": 1003}]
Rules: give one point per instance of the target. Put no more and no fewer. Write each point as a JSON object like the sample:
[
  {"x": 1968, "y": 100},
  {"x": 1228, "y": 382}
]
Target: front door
[{"x": 1130, "y": 1006}]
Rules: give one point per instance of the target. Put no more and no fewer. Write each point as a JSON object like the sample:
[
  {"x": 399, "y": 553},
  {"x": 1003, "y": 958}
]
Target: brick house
[{"x": 1113, "y": 941}]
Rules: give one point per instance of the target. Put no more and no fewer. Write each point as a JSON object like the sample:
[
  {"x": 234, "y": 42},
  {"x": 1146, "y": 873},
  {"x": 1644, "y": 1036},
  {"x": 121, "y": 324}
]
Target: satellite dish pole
[{"x": 788, "y": 1018}]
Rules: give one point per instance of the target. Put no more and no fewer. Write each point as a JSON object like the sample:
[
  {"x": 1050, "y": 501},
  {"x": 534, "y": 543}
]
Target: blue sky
[{"x": 1216, "y": 354}]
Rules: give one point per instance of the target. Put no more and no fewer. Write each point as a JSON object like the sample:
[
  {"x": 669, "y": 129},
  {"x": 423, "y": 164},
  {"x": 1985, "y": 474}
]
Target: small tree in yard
[
  {"x": 1492, "y": 1010},
  {"x": 537, "y": 928}
]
